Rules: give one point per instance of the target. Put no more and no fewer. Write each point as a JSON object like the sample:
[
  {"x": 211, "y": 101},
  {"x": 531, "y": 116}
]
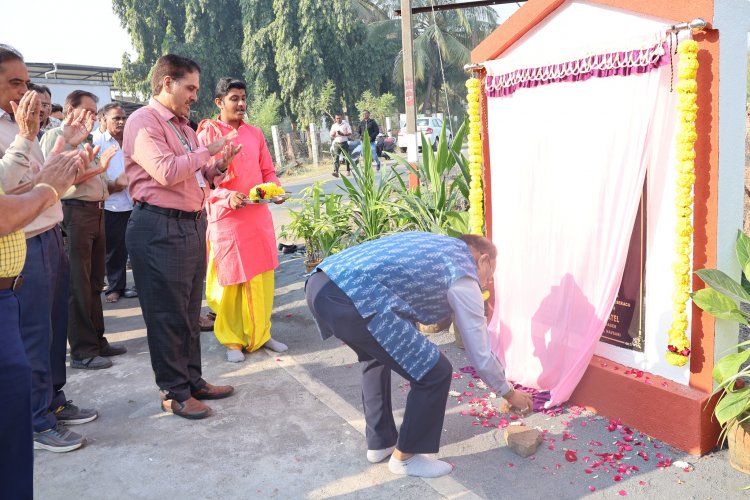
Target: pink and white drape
[{"x": 570, "y": 144}]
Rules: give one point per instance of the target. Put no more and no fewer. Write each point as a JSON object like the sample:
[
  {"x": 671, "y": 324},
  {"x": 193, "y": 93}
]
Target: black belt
[
  {"x": 169, "y": 212},
  {"x": 13, "y": 283},
  {"x": 82, "y": 203}
]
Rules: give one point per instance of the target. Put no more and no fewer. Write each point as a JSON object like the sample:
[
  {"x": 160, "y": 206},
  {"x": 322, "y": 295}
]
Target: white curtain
[{"x": 568, "y": 161}]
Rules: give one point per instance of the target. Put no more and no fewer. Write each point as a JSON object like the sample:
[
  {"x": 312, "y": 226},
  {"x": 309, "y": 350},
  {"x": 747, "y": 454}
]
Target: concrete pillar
[
  {"x": 315, "y": 144},
  {"x": 277, "y": 146}
]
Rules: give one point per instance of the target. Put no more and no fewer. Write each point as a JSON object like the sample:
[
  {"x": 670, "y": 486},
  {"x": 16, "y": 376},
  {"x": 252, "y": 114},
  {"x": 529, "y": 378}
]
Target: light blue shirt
[{"x": 120, "y": 201}]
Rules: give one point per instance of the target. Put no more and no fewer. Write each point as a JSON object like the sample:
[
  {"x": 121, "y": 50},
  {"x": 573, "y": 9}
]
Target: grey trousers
[
  {"x": 422, "y": 426},
  {"x": 169, "y": 265}
]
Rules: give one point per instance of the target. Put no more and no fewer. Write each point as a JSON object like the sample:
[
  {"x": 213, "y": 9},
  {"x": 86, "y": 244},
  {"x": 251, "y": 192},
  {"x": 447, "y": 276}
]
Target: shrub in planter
[
  {"x": 721, "y": 299},
  {"x": 322, "y": 222}
]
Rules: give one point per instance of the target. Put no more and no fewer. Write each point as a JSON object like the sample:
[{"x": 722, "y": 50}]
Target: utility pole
[{"x": 408, "y": 59}]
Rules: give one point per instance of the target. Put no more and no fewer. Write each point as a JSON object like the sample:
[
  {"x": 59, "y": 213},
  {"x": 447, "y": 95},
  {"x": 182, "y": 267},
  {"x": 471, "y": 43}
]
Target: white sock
[
  {"x": 235, "y": 356},
  {"x": 275, "y": 345},
  {"x": 377, "y": 456},
  {"x": 419, "y": 466}
]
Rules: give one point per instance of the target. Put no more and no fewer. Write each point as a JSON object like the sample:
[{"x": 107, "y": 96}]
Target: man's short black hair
[
  {"x": 171, "y": 65},
  {"x": 40, "y": 88},
  {"x": 56, "y": 108},
  {"x": 109, "y": 107},
  {"x": 8, "y": 53},
  {"x": 226, "y": 84},
  {"x": 74, "y": 98}
]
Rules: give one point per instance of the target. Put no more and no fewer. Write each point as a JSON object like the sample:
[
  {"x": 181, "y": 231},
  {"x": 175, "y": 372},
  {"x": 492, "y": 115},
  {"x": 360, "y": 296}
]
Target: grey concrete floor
[{"x": 294, "y": 429}]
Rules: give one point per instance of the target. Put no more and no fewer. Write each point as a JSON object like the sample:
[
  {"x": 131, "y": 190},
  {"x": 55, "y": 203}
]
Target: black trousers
[
  {"x": 86, "y": 246},
  {"x": 169, "y": 266},
  {"x": 115, "y": 225},
  {"x": 425, "y": 405}
]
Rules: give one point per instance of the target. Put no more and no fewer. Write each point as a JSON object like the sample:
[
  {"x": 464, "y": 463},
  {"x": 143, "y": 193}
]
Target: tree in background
[
  {"x": 207, "y": 32},
  {"x": 291, "y": 48},
  {"x": 448, "y": 36},
  {"x": 380, "y": 107},
  {"x": 265, "y": 112}
]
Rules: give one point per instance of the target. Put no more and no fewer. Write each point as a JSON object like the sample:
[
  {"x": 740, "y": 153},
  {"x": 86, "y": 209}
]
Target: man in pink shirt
[{"x": 170, "y": 176}]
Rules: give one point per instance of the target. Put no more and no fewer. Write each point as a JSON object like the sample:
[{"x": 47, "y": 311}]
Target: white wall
[
  {"x": 732, "y": 19},
  {"x": 61, "y": 88}
]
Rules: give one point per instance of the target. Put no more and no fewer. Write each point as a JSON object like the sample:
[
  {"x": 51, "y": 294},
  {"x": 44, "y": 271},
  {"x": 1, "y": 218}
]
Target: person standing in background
[
  {"x": 118, "y": 206},
  {"x": 83, "y": 223}
]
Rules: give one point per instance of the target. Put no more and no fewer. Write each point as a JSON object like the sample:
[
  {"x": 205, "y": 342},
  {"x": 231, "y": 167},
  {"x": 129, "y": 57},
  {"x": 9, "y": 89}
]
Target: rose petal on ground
[
  {"x": 571, "y": 456},
  {"x": 617, "y": 478},
  {"x": 592, "y": 488},
  {"x": 622, "y": 493}
]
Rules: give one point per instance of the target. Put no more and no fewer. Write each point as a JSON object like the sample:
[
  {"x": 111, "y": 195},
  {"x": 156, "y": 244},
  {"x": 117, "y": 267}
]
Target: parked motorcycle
[{"x": 385, "y": 144}]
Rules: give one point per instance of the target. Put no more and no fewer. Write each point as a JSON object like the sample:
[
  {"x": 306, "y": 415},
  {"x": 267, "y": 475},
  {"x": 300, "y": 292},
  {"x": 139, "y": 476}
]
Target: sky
[{"x": 85, "y": 32}]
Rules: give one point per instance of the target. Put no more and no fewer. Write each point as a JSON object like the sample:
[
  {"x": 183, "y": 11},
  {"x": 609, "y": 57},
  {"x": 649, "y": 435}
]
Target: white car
[{"x": 430, "y": 126}]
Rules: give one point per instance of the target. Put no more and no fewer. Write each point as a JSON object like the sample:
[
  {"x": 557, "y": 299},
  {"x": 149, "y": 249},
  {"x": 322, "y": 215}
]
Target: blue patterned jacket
[{"x": 398, "y": 280}]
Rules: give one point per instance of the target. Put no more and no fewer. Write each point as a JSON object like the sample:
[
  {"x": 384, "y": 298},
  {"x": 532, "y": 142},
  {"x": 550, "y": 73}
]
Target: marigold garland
[
  {"x": 678, "y": 349},
  {"x": 476, "y": 217}
]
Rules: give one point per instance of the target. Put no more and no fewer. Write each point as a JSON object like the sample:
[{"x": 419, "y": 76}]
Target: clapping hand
[
  {"x": 104, "y": 160},
  {"x": 78, "y": 125},
  {"x": 61, "y": 168},
  {"x": 219, "y": 143},
  {"x": 26, "y": 114}
]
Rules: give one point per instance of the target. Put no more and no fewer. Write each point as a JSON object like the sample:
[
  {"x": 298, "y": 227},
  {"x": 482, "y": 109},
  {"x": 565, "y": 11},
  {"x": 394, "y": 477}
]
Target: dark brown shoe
[
  {"x": 214, "y": 392},
  {"x": 192, "y": 408}
]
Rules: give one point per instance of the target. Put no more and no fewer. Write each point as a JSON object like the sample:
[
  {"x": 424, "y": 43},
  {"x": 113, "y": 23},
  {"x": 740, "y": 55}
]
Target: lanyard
[{"x": 183, "y": 140}]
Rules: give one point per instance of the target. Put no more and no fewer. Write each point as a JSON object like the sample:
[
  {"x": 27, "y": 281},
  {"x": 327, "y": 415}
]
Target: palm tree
[{"x": 440, "y": 36}]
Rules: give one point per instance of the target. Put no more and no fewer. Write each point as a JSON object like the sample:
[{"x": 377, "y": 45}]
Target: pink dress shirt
[
  {"x": 163, "y": 168},
  {"x": 243, "y": 241}
]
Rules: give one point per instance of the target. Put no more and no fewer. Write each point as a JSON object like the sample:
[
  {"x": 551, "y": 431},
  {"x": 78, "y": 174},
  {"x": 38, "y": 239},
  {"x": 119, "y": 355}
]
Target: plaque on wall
[{"x": 624, "y": 326}]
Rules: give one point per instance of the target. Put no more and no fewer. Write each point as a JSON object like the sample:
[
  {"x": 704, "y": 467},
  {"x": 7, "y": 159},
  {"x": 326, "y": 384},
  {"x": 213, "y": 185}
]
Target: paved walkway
[{"x": 294, "y": 429}]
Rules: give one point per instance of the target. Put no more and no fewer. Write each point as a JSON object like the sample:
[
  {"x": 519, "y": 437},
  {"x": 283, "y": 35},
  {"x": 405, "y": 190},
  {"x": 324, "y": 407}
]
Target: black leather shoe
[{"x": 112, "y": 350}]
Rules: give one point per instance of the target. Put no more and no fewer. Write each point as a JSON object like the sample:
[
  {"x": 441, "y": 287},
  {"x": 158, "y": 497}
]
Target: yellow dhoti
[{"x": 243, "y": 311}]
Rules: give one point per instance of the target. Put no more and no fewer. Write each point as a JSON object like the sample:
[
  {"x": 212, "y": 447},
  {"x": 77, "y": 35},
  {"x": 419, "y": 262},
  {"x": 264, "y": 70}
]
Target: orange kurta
[{"x": 243, "y": 241}]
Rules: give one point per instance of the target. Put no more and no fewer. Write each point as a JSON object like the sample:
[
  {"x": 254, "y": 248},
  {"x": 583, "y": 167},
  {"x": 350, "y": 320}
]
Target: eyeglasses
[
  {"x": 117, "y": 118},
  {"x": 46, "y": 106}
]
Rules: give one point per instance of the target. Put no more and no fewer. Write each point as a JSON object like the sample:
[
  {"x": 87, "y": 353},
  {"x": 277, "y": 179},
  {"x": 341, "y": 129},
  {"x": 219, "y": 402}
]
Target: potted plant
[
  {"x": 438, "y": 203},
  {"x": 322, "y": 222},
  {"x": 372, "y": 198},
  {"x": 721, "y": 299}
]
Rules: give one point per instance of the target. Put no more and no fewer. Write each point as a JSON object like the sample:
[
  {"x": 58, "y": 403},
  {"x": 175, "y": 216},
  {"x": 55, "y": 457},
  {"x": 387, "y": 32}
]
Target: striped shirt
[{"x": 12, "y": 252}]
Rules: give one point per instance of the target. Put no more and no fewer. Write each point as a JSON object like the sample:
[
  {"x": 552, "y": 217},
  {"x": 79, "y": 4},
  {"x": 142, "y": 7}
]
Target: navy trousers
[
  {"x": 43, "y": 302},
  {"x": 115, "y": 225},
  {"x": 169, "y": 267},
  {"x": 17, "y": 456},
  {"x": 422, "y": 426}
]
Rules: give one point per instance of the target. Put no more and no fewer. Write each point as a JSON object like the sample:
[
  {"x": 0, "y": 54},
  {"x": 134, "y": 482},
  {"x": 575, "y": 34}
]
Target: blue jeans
[
  {"x": 17, "y": 457},
  {"x": 374, "y": 147},
  {"x": 43, "y": 300}
]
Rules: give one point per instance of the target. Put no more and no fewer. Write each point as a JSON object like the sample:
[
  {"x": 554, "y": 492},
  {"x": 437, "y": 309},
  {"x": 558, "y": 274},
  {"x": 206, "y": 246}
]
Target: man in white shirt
[
  {"x": 118, "y": 206},
  {"x": 340, "y": 132}
]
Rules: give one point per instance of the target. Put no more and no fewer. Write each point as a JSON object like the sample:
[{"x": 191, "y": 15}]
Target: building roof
[{"x": 54, "y": 71}]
